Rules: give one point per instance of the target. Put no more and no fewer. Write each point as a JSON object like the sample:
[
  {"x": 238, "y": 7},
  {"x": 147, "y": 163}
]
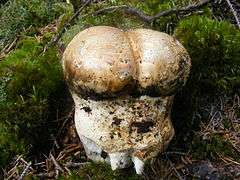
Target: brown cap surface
[
  {"x": 106, "y": 60},
  {"x": 163, "y": 63},
  {"x": 99, "y": 59}
]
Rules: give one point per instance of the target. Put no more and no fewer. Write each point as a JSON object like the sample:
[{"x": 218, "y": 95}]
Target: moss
[
  {"x": 18, "y": 15},
  {"x": 106, "y": 19},
  {"x": 167, "y": 23},
  {"x": 67, "y": 11},
  {"x": 214, "y": 48},
  {"x": 100, "y": 171},
  {"x": 10, "y": 144},
  {"x": 212, "y": 147},
  {"x": 30, "y": 81},
  {"x": 117, "y": 18}
]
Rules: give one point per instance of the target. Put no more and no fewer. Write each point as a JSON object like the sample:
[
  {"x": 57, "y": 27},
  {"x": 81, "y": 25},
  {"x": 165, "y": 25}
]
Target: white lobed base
[
  {"x": 123, "y": 131},
  {"x": 118, "y": 160}
]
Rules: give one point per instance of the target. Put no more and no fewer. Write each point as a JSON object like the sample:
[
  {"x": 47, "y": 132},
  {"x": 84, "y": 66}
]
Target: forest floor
[
  {"x": 67, "y": 159},
  {"x": 209, "y": 149}
]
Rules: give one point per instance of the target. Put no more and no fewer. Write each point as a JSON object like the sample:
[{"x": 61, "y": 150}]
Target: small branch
[
  {"x": 59, "y": 35},
  {"x": 188, "y": 8},
  {"x": 174, "y": 169},
  {"x": 147, "y": 18},
  {"x": 67, "y": 118},
  {"x": 58, "y": 167},
  {"x": 8, "y": 48},
  {"x": 132, "y": 11},
  {"x": 75, "y": 165},
  {"x": 141, "y": 15},
  {"x": 175, "y": 152},
  {"x": 45, "y": 175},
  {"x": 108, "y": 9},
  {"x": 234, "y": 13},
  {"x": 25, "y": 170}
]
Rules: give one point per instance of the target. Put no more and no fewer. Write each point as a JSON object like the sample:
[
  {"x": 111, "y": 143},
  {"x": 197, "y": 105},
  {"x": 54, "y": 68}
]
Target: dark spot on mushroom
[
  {"x": 158, "y": 102},
  {"x": 140, "y": 114},
  {"x": 116, "y": 121},
  {"x": 104, "y": 154},
  {"x": 138, "y": 138},
  {"x": 87, "y": 109},
  {"x": 111, "y": 112},
  {"x": 142, "y": 127},
  {"x": 119, "y": 134}
]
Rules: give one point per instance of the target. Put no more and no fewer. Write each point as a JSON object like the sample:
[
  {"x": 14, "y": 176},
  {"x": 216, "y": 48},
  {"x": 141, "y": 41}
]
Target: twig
[
  {"x": 228, "y": 159},
  {"x": 58, "y": 167},
  {"x": 8, "y": 48},
  {"x": 11, "y": 45},
  {"x": 234, "y": 13},
  {"x": 175, "y": 152},
  {"x": 45, "y": 175},
  {"x": 63, "y": 153},
  {"x": 72, "y": 148},
  {"x": 67, "y": 118},
  {"x": 89, "y": 177},
  {"x": 25, "y": 171},
  {"x": 188, "y": 8},
  {"x": 25, "y": 162},
  {"x": 108, "y": 9},
  {"x": 149, "y": 19},
  {"x": 174, "y": 169},
  {"x": 58, "y": 36},
  {"x": 129, "y": 10},
  {"x": 12, "y": 171},
  {"x": 152, "y": 165},
  {"x": 74, "y": 165}
]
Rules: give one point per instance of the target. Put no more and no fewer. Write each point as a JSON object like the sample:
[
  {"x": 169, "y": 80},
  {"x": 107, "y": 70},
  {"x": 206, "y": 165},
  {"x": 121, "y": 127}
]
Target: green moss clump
[
  {"x": 214, "y": 48},
  {"x": 18, "y": 15},
  {"x": 117, "y": 18},
  {"x": 101, "y": 171},
  {"x": 212, "y": 148},
  {"x": 31, "y": 83},
  {"x": 10, "y": 144},
  {"x": 106, "y": 19}
]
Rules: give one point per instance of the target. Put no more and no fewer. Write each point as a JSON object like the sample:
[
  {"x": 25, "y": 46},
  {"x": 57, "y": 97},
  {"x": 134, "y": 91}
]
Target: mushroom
[{"x": 123, "y": 84}]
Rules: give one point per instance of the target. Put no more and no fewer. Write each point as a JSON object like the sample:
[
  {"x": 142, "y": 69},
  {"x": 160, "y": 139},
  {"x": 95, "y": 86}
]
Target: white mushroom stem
[
  {"x": 119, "y": 160},
  {"x": 138, "y": 165}
]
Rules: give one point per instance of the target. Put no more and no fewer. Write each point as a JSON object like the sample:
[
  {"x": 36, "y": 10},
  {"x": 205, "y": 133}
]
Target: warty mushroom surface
[{"x": 123, "y": 84}]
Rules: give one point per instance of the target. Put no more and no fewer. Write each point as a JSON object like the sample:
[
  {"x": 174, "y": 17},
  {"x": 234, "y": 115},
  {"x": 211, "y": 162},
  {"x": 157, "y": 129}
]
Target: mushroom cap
[
  {"x": 163, "y": 63},
  {"x": 106, "y": 61},
  {"x": 99, "y": 60}
]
